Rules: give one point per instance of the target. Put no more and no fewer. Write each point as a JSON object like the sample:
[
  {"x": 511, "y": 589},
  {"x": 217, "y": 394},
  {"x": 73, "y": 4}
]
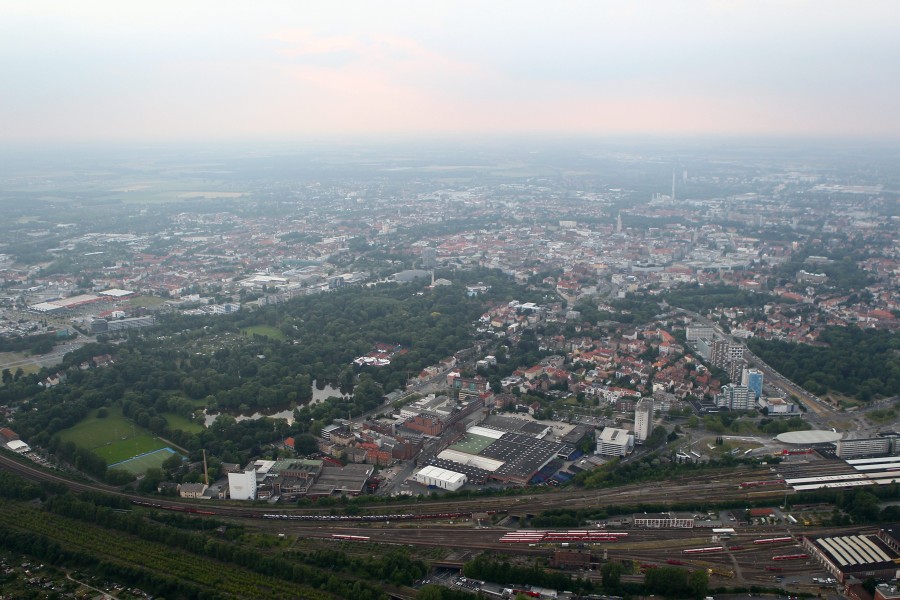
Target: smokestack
[{"x": 205, "y": 470}]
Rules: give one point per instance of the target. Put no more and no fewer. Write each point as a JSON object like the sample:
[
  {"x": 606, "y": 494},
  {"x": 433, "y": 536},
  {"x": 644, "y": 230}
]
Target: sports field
[
  {"x": 472, "y": 444},
  {"x": 114, "y": 437},
  {"x": 140, "y": 464}
]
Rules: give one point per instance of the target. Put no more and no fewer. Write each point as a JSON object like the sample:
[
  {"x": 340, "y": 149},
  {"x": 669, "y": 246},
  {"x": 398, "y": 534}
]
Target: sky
[{"x": 195, "y": 70}]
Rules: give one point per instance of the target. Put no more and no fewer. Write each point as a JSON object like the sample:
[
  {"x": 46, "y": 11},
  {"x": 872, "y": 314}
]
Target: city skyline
[{"x": 205, "y": 71}]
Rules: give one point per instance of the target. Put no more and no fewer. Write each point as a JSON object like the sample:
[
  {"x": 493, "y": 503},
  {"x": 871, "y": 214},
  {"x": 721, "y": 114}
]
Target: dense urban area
[{"x": 388, "y": 371}]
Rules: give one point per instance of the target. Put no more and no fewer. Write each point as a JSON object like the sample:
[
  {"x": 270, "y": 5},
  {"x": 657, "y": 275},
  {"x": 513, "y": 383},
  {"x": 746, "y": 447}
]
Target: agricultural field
[{"x": 114, "y": 437}]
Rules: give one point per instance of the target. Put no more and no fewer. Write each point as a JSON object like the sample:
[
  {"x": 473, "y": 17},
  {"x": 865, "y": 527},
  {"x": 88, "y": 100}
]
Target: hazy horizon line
[{"x": 339, "y": 140}]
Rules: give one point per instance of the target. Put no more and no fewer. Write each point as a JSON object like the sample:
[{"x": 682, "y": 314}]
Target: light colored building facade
[
  {"x": 864, "y": 447},
  {"x": 192, "y": 490},
  {"x": 695, "y": 332},
  {"x": 614, "y": 442},
  {"x": 242, "y": 486},
  {"x": 662, "y": 521},
  {"x": 735, "y": 397},
  {"x": 643, "y": 419}
]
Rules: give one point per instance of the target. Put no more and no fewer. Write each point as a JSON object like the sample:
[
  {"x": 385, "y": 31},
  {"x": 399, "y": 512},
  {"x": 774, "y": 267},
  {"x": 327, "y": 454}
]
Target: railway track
[
  {"x": 708, "y": 487},
  {"x": 740, "y": 558}
]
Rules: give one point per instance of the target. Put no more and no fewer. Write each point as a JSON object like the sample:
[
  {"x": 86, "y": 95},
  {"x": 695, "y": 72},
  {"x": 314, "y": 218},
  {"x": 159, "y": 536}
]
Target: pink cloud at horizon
[{"x": 668, "y": 73}]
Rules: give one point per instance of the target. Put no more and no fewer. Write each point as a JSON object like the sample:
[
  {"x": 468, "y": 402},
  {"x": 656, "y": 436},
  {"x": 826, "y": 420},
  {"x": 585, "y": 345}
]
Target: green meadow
[{"x": 114, "y": 437}]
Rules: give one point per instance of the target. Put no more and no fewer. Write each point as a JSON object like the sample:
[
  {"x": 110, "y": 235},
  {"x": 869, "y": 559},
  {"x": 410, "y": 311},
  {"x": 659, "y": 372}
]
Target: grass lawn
[
  {"x": 17, "y": 359},
  {"x": 114, "y": 438},
  {"x": 182, "y": 423},
  {"x": 146, "y": 301},
  {"x": 883, "y": 415},
  {"x": 29, "y": 369},
  {"x": 10, "y": 357},
  {"x": 265, "y": 330}
]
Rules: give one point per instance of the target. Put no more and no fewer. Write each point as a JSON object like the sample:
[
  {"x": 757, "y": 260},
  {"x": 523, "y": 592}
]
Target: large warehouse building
[
  {"x": 858, "y": 556},
  {"x": 440, "y": 478},
  {"x": 506, "y": 456}
]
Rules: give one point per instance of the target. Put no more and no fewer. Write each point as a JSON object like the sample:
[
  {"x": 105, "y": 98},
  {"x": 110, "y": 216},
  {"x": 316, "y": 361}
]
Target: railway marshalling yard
[
  {"x": 743, "y": 558},
  {"x": 746, "y": 558},
  {"x": 732, "y": 559}
]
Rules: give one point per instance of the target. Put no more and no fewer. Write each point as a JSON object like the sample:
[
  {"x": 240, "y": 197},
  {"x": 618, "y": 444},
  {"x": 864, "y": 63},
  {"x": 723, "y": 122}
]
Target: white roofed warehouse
[
  {"x": 18, "y": 446},
  {"x": 440, "y": 478}
]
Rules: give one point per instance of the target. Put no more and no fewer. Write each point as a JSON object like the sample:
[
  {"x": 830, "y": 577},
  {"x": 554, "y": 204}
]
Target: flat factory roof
[
  {"x": 116, "y": 293},
  {"x": 494, "y": 434},
  {"x": 472, "y": 472},
  {"x": 522, "y": 455},
  {"x": 441, "y": 474},
  {"x": 474, "y": 460}
]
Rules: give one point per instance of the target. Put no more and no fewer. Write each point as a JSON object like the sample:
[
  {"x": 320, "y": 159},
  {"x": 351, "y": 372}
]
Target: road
[
  {"x": 397, "y": 478},
  {"x": 819, "y": 413},
  {"x": 103, "y": 595},
  {"x": 51, "y": 358}
]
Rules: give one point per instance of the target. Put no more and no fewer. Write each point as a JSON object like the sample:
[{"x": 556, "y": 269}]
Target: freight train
[{"x": 325, "y": 518}]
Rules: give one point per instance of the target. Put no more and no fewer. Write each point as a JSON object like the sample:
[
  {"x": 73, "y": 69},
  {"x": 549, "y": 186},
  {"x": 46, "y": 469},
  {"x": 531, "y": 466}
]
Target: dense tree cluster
[
  {"x": 844, "y": 274},
  {"x": 35, "y": 344},
  {"x": 647, "y": 468},
  {"x": 395, "y": 566},
  {"x": 191, "y": 362},
  {"x": 673, "y": 582},
  {"x": 859, "y": 505},
  {"x": 500, "y": 570},
  {"x": 631, "y": 309},
  {"x": 703, "y": 298},
  {"x": 862, "y": 363},
  {"x": 782, "y": 425}
]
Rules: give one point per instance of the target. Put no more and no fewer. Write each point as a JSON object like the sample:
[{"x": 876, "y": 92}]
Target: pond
[{"x": 279, "y": 412}]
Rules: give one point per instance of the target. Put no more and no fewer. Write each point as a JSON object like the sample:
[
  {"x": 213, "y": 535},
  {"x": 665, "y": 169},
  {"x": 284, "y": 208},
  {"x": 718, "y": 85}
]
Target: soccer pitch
[
  {"x": 140, "y": 464},
  {"x": 114, "y": 437}
]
